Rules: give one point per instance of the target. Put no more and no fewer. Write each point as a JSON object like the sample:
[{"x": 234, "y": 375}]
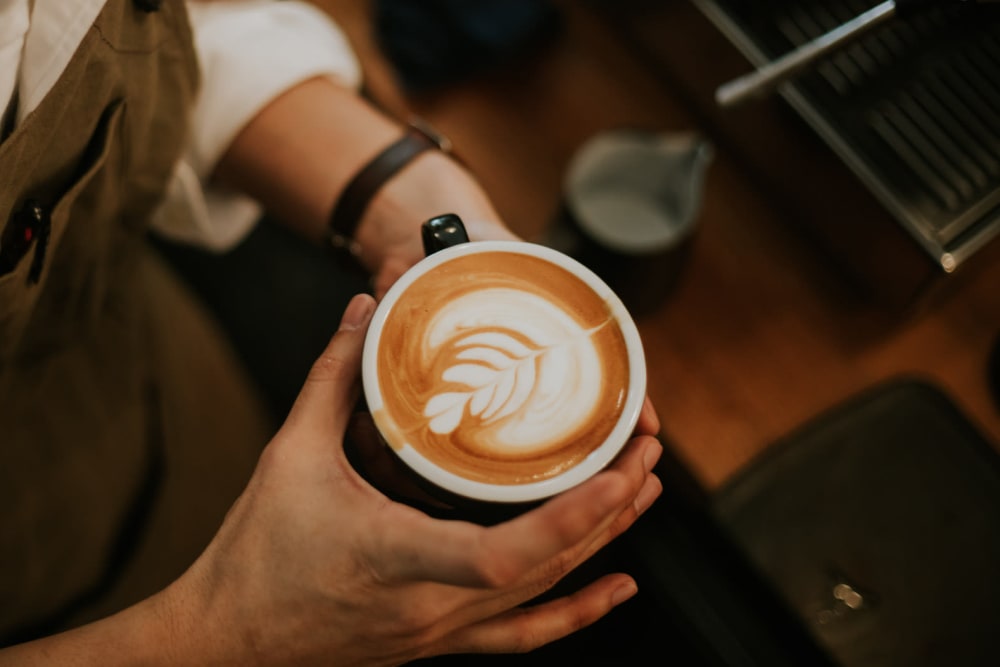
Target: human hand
[
  {"x": 648, "y": 422},
  {"x": 314, "y": 565}
]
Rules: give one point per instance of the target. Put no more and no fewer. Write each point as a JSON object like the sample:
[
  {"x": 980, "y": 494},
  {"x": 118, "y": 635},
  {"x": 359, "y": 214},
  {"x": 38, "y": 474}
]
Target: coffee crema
[{"x": 501, "y": 368}]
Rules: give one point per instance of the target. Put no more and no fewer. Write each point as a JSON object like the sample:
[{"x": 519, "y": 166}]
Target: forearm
[
  {"x": 142, "y": 634},
  {"x": 297, "y": 155},
  {"x": 187, "y": 624}
]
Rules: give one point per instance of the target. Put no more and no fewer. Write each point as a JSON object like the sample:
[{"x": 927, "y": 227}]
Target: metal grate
[{"x": 913, "y": 107}]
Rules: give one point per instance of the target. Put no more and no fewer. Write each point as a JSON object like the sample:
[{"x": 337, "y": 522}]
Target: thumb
[{"x": 332, "y": 386}]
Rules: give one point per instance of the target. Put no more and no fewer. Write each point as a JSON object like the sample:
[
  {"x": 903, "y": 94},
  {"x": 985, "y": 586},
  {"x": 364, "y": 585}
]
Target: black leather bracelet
[{"x": 358, "y": 194}]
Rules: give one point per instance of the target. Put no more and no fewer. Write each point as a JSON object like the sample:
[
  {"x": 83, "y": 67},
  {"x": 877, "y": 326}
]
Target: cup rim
[{"x": 597, "y": 460}]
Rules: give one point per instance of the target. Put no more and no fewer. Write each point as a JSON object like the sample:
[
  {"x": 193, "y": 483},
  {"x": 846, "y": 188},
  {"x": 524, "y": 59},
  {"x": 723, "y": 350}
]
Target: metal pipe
[{"x": 771, "y": 75}]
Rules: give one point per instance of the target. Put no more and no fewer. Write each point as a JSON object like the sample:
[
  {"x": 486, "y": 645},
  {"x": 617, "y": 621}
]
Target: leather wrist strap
[{"x": 358, "y": 193}]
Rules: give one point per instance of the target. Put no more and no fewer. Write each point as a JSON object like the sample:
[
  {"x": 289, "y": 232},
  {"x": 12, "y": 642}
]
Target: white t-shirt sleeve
[{"x": 249, "y": 53}]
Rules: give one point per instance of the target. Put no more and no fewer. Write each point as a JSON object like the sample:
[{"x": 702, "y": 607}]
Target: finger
[
  {"x": 478, "y": 605},
  {"x": 525, "y": 629},
  {"x": 565, "y": 520},
  {"x": 637, "y": 463},
  {"x": 498, "y": 557},
  {"x": 465, "y": 554},
  {"x": 648, "y": 493},
  {"x": 331, "y": 388},
  {"x": 649, "y": 422}
]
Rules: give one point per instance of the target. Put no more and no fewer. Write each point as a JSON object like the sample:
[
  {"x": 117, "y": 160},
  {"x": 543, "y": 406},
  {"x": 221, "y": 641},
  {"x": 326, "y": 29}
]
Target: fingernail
[
  {"x": 357, "y": 313},
  {"x": 651, "y": 456},
  {"x": 624, "y": 592},
  {"x": 649, "y": 406}
]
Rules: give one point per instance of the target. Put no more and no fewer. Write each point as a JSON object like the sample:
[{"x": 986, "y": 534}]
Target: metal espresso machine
[{"x": 905, "y": 92}]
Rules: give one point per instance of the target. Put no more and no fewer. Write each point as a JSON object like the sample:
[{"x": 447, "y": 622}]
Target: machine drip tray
[{"x": 911, "y": 107}]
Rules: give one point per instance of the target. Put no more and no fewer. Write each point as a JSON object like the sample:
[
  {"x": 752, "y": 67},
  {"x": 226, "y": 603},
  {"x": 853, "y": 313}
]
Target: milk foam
[
  {"x": 519, "y": 371},
  {"x": 500, "y": 368}
]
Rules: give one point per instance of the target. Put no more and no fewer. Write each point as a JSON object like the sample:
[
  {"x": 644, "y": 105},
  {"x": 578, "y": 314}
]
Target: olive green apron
[{"x": 127, "y": 427}]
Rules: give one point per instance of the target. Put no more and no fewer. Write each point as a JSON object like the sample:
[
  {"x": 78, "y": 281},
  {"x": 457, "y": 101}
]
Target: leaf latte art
[{"x": 501, "y": 368}]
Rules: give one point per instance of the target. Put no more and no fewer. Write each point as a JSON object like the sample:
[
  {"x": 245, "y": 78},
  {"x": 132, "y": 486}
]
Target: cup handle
[{"x": 443, "y": 231}]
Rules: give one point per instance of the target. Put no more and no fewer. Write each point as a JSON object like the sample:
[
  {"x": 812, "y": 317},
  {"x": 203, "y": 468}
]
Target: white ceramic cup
[{"x": 454, "y": 484}]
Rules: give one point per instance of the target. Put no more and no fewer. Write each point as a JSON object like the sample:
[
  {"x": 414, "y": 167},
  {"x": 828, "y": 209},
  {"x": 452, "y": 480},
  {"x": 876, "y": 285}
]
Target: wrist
[
  {"x": 155, "y": 631},
  {"x": 190, "y": 623},
  {"x": 356, "y": 198},
  {"x": 432, "y": 185},
  {"x": 175, "y": 625}
]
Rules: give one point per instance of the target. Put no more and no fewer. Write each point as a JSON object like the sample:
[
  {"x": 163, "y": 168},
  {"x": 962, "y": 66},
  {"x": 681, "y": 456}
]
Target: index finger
[
  {"x": 464, "y": 554},
  {"x": 649, "y": 422}
]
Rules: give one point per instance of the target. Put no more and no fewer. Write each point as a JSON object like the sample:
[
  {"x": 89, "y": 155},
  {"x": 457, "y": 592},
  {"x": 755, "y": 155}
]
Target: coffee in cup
[{"x": 503, "y": 371}]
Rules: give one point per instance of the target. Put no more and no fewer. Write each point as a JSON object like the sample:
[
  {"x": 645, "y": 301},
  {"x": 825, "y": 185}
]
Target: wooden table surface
[{"x": 761, "y": 333}]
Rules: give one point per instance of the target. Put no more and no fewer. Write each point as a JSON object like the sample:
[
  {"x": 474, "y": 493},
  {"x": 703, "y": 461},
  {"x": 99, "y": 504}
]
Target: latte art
[
  {"x": 514, "y": 368},
  {"x": 501, "y": 368}
]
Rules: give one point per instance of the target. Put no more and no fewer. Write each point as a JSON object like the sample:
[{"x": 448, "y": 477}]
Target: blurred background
[
  {"x": 821, "y": 361},
  {"x": 770, "y": 323}
]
